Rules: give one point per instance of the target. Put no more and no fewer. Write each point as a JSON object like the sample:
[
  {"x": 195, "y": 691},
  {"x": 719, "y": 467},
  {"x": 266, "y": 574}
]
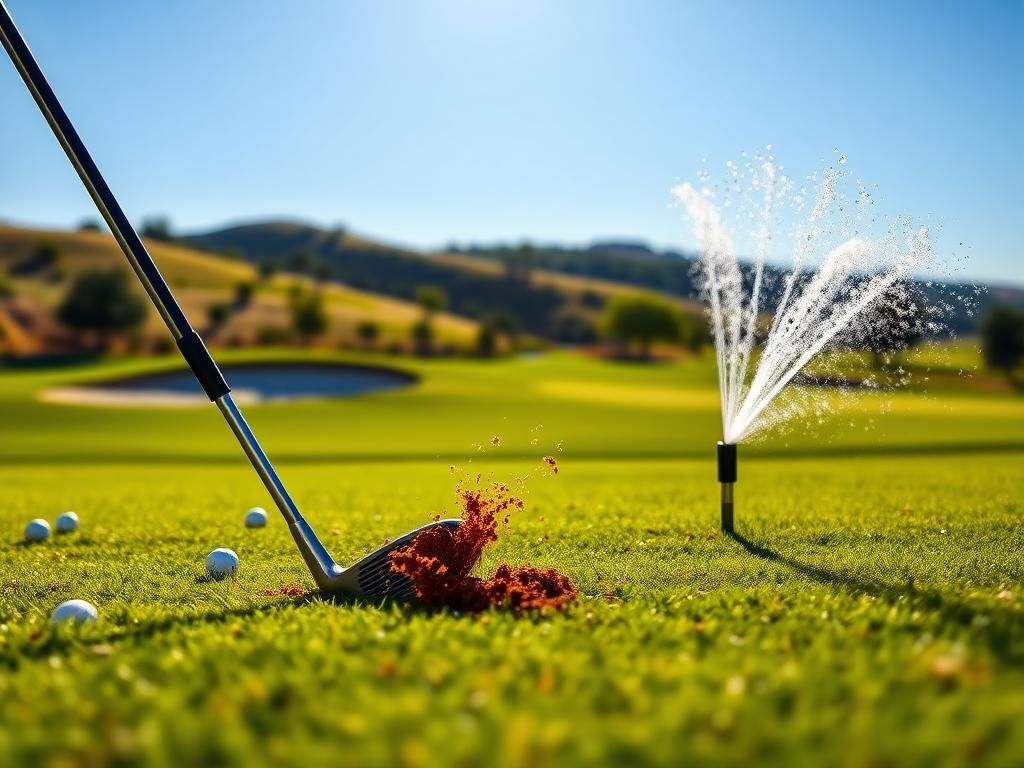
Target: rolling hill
[
  {"x": 553, "y": 291},
  {"x": 545, "y": 303},
  {"x": 200, "y": 281}
]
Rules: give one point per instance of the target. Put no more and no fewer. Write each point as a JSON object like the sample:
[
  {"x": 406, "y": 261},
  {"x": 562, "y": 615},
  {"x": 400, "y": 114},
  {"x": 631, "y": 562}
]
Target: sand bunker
[{"x": 250, "y": 382}]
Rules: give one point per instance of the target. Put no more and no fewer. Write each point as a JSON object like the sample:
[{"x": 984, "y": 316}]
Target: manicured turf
[{"x": 870, "y": 613}]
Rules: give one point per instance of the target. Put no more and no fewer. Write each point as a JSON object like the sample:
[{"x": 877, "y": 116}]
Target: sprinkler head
[{"x": 727, "y": 477}]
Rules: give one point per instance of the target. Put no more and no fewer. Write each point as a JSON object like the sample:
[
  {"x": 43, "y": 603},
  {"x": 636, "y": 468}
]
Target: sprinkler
[{"x": 727, "y": 477}]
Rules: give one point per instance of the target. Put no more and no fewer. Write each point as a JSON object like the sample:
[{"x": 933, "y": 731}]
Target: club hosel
[
  {"x": 727, "y": 477},
  {"x": 320, "y": 563}
]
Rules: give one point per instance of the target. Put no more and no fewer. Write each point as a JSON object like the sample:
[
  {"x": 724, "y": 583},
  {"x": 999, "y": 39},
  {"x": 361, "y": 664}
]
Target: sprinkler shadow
[
  {"x": 1004, "y": 626},
  {"x": 818, "y": 573}
]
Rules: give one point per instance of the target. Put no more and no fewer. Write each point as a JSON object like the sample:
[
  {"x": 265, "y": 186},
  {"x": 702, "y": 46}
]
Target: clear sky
[{"x": 424, "y": 122}]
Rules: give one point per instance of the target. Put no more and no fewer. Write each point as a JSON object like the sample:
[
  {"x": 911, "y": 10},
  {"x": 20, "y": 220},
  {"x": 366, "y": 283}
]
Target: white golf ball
[
  {"x": 67, "y": 523},
  {"x": 220, "y": 563},
  {"x": 74, "y": 612},
  {"x": 37, "y": 530},
  {"x": 256, "y": 517}
]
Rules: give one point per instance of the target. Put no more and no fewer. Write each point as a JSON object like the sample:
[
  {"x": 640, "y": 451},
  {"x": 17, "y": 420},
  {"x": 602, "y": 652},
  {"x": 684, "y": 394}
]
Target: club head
[{"x": 371, "y": 577}]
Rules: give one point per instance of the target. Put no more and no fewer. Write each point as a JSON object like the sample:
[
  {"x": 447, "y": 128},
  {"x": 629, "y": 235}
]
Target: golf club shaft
[{"x": 189, "y": 343}]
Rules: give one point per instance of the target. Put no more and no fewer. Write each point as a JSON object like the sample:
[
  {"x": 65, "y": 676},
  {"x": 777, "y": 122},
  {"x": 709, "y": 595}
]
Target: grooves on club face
[{"x": 372, "y": 576}]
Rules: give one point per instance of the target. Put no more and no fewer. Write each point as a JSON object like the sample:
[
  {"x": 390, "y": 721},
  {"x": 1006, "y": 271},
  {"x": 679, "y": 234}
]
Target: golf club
[{"x": 370, "y": 577}]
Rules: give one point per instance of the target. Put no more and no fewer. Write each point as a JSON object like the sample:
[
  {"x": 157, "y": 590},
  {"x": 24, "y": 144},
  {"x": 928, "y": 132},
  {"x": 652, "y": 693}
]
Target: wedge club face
[{"x": 371, "y": 577}]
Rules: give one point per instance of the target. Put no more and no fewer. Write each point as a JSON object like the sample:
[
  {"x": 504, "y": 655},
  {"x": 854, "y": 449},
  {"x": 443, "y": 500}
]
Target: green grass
[{"x": 857, "y": 621}]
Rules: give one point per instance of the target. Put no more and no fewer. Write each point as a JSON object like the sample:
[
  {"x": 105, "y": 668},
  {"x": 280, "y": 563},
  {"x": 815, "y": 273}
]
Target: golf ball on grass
[
  {"x": 256, "y": 517},
  {"x": 67, "y": 523},
  {"x": 220, "y": 563},
  {"x": 74, "y": 612},
  {"x": 37, "y": 530}
]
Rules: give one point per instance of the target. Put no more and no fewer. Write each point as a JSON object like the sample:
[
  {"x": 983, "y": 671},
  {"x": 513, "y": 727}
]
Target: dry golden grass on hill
[{"x": 200, "y": 281}]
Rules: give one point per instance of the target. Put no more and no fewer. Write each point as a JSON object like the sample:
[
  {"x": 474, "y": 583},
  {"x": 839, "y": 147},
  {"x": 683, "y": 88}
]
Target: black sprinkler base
[{"x": 727, "y": 477}]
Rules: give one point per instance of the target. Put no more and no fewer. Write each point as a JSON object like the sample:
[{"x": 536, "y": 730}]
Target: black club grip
[{"x": 205, "y": 369}]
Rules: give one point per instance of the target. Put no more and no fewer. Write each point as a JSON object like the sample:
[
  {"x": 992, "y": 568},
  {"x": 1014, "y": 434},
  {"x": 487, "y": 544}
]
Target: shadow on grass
[
  {"x": 1002, "y": 630},
  {"x": 50, "y": 640}
]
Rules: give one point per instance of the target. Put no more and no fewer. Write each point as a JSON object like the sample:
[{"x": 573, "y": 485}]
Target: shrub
[
  {"x": 368, "y": 331},
  {"x": 243, "y": 294},
  {"x": 45, "y": 256},
  {"x": 642, "y": 320},
  {"x": 309, "y": 319},
  {"x": 273, "y": 335},
  {"x": 1002, "y": 339},
  {"x": 422, "y": 336},
  {"x": 102, "y": 302},
  {"x": 218, "y": 314},
  {"x": 486, "y": 340}
]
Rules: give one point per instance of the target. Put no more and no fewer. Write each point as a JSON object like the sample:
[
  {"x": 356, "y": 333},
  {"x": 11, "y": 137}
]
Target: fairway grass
[{"x": 870, "y": 613}]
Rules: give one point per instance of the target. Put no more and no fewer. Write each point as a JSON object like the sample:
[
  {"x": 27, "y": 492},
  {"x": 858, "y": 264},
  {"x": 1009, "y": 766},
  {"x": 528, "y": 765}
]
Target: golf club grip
[{"x": 191, "y": 346}]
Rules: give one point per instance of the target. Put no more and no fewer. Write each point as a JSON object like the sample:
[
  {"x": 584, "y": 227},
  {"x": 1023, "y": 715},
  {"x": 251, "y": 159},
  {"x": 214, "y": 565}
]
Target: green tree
[
  {"x": 486, "y": 340},
  {"x": 302, "y": 261},
  {"x": 694, "y": 332},
  {"x": 641, "y": 319},
  {"x": 519, "y": 263},
  {"x": 494, "y": 326},
  {"x": 89, "y": 225},
  {"x": 431, "y": 300},
  {"x": 368, "y": 332},
  {"x": 243, "y": 294},
  {"x": 45, "y": 256},
  {"x": 157, "y": 228},
  {"x": 102, "y": 302},
  {"x": 504, "y": 324},
  {"x": 1002, "y": 339},
  {"x": 422, "y": 336},
  {"x": 217, "y": 314},
  {"x": 267, "y": 270},
  {"x": 309, "y": 318},
  {"x": 323, "y": 272},
  {"x": 572, "y": 326},
  {"x": 895, "y": 323}
]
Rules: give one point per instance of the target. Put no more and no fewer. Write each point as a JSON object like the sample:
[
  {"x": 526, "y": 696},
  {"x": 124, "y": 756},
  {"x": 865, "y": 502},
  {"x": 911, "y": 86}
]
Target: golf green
[{"x": 868, "y": 613}]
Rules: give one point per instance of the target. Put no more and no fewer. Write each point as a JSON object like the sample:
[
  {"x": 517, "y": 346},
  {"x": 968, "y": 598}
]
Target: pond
[{"x": 250, "y": 383}]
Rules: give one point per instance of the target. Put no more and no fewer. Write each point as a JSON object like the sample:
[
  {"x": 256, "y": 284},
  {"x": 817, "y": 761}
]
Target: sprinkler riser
[
  {"x": 727, "y": 476},
  {"x": 727, "y": 496}
]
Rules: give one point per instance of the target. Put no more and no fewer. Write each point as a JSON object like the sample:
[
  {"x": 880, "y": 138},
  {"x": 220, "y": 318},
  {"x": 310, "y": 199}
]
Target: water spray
[
  {"x": 727, "y": 477},
  {"x": 845, "y": 284}
]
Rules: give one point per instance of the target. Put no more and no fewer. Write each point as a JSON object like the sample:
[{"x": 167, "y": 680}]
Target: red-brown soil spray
[{"x": 439, "y": 562}]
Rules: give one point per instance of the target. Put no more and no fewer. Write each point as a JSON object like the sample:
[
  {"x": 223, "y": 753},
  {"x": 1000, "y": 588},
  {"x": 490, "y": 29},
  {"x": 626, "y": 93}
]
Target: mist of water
[{"x": 847, "y": 280}]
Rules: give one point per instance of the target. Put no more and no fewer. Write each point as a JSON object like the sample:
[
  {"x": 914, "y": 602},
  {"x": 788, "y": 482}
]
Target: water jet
[{"x": 846, "y": 284}]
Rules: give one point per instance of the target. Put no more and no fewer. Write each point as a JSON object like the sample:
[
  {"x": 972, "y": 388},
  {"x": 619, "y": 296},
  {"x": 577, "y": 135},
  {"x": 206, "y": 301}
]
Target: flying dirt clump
[{"x": 440, "y": 561}]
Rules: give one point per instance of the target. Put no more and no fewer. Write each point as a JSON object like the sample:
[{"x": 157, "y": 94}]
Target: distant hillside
[
  {"x": 631, "y": 263},
  {"x": 200, "y": 281},
  {"x": 672, "y": 272},
  {"x": 542, "y": 302},
  {"x": 552, "y": 291}
]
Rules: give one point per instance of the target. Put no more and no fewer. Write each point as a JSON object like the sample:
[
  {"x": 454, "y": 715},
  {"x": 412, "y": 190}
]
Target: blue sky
[{"x": 424, "y": 122}]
